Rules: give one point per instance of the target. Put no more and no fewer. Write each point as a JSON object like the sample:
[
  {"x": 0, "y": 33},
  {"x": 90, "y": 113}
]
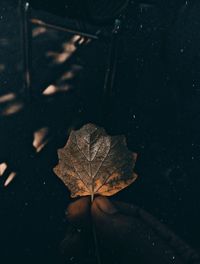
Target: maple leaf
[{"x": 93, "y": 162}]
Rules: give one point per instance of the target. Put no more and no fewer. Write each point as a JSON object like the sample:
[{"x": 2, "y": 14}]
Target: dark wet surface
[{"x": 156, "y": 105}]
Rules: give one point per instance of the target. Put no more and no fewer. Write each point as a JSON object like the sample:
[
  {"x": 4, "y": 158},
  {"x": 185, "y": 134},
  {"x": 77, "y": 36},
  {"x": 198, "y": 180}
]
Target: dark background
[{"x": 155, "y": 104}]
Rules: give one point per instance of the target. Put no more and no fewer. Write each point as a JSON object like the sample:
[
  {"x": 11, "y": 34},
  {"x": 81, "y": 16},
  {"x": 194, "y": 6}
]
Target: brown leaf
[{"x": 94, "y": 163}]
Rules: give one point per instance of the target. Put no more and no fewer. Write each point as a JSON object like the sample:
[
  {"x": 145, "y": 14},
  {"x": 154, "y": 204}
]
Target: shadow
[{"x": 33, "y": 200}]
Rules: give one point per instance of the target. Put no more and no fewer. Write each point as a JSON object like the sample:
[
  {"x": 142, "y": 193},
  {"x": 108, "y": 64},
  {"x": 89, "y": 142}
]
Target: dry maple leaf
[{"x": 94, "y": 163}]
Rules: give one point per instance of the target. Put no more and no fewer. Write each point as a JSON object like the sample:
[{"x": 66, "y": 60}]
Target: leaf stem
[{"x": 96, "y": 244}]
